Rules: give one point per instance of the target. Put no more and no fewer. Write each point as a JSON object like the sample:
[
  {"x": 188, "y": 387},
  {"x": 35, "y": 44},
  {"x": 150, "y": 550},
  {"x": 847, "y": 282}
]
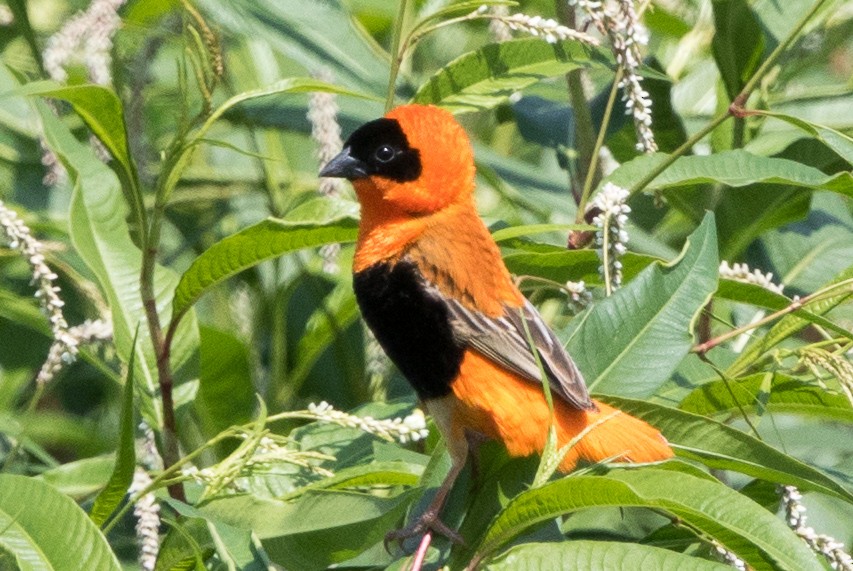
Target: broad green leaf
[
  {"x": 267, "y": 239},
  {"x": 739, "y": 524},
  {"x": 722, "y": 447},
  {"x": 732, "y": 168},
  {"x": 226, "y": 396},
  {"x": 837, "y": 141},
  {"x": 631, "y": 342},
  {"x": 598, "y": 556},
  {"x": 737, "y": 45},
  {"x": 111, "y": 496},
  {"x": 102, "y": 111},
  {"x": 100, "y": 108},
  {"x": 101, "y": 236},
  {"x": 318, "y": 529},
  {"x": 46, "y": 530},
  {"x": 80, "y": 478},
  {"x": 562, "y": 265},
  {"x": 487, "y": 77},
  {"x": 767, "y": 392}
]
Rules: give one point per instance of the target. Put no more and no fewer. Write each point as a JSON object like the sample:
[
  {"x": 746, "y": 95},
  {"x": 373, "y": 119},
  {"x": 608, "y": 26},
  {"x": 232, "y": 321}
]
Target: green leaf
[
  {"x": 80, "y": 478},
  {"x": 487, "y": 77},
  {"x": 768, "y": 392},
  {"x": 45, "y": 529},
  {"x": 631, "y": 342},
  {"x": 226, "y": 395},
  {"x": 366, "y": 475},
  {"x": 733, "y": 168},
  {"x": 318, "y": 529},
  {"x": 739, "y": 524},
  {"x": 267, "y": 239},
  {"x": 101, "y": 236},
  {"x": 737, "y": 45},
  {"x": 789, "y": 325},
  {"x": 531, "y": 229},
  {"x": 102, "y": 111},
  {"x": 598, "y": 556},
  {"x": 562, "y": 265},
  {"x": 759, "y": 296},
  {"x": 837, "y": 141},
  {"x": 122, "y": 476},
  {"x": 99, "y": 107},
  {"x": 237, "y": 546},
  {"x": 464, "y": 7},
  {"x": 744, "y": 215},
  {"x": 722, "y": 447},
  {"x": 186, "y": 546}
]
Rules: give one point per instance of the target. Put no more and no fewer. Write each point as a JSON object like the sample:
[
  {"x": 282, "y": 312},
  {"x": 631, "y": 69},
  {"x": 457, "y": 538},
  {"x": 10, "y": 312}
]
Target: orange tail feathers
[
  {"x": 503, "y": 406},
  {"x": 610, "y": 434}
]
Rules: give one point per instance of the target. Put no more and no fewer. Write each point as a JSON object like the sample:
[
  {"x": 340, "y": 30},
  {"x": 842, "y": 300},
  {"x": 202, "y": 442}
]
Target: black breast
[{"x": 411, "y": 323}]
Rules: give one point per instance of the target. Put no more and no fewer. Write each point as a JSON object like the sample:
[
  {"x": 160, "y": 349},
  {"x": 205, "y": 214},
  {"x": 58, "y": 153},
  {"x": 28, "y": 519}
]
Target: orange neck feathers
[{"x": 433, "y": 219}]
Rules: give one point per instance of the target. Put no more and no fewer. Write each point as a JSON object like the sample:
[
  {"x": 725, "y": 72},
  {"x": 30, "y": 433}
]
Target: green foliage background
[{"x": 209, "y": 212}]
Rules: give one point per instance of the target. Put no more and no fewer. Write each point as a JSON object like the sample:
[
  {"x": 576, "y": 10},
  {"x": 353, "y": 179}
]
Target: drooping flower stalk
[
  {"x": 795, "y": 517},
  {"x": 618, "y": 21},
  {"x": 326, "y": 132},
  {"x": 611, "y": 236}
]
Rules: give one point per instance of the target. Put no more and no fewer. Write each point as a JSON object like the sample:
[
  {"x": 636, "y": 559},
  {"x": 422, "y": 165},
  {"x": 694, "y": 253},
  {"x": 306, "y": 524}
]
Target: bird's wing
[{"x": 505, "y": 341}]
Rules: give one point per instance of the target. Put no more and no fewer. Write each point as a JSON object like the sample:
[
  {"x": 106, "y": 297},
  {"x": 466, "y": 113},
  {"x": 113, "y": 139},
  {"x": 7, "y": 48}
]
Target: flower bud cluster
[
  {"x": 611, "y": 236},
  {"x": 87, "y": 37},
  {"x": 795, "y": 516},
  {"x": 19, "y": 237},
  {"x": 742, "y": 273},
  {"x": 618, "y": 20},
  {"x": 411, "y": 428},
  {"x": 147, "y": 513},
  {"x": 546, "y": 28}
]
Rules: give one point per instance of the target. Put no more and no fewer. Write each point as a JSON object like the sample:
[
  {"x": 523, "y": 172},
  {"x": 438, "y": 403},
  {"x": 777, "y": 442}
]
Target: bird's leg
[
  {"x": 475, "y": 439},
  {"x": 429, "y": 520}
]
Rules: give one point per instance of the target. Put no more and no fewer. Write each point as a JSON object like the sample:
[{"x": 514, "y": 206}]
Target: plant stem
[
  {"x": 686, "y": 146},
  {"x": 593, "y": 174},
  {"x": 584, "y": 133},
  {"x": 161, "y": 348},
  {"x": 736, "y": 109},
  {"x": 798, "y": 304},
  {"x": 396, "y": 54}
]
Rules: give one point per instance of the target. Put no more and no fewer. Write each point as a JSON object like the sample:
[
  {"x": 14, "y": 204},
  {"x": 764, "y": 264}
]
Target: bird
[{"x": 432, "y": 287}]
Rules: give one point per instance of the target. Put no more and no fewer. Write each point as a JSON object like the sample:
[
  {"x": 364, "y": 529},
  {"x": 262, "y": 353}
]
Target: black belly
[{"x": 412, "y": 324}]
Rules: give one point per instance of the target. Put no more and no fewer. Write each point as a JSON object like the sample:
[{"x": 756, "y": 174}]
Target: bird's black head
[{"x": 377, "y": 148}]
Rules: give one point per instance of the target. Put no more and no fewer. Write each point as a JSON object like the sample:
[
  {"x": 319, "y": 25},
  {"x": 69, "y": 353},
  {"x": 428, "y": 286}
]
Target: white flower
[
  {"x": 611, "y": 236},
  {"x": 742, "y": 273}
]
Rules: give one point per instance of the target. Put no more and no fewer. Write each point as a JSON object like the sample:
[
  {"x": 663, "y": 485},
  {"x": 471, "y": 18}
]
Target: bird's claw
[{"x": 429, "y": 521}]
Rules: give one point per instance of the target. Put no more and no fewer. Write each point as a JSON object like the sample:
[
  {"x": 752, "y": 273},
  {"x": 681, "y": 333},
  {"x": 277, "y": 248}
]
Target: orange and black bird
[{"x": 432, "y": 287}]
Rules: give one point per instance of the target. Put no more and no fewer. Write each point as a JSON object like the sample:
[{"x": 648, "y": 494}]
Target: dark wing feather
[{"x": 505, "y": 341}]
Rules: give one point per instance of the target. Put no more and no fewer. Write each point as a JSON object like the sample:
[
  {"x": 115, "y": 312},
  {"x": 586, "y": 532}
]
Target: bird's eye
[{"x": 385, "y": 153}]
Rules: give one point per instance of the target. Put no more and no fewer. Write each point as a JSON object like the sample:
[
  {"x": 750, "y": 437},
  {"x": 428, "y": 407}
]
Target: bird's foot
[{"x": 427, "y": 522}]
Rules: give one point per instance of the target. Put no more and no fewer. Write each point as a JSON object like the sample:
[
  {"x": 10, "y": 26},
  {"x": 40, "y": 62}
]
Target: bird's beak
[{"x": 344, "y": 165}]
